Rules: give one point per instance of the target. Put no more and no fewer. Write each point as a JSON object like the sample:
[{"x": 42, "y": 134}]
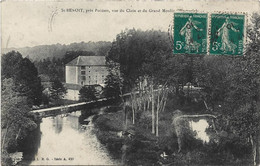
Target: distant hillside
[{"x": 40, "y": 52}]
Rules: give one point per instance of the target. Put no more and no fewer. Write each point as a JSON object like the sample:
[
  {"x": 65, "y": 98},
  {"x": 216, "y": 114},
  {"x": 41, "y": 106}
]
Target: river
[
  {"x": 64, "y": 141},
  {"x": 70, "y": 140}
]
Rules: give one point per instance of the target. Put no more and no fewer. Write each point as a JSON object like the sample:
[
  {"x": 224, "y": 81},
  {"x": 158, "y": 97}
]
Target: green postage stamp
[
  {"x": 227, "y": 34},
  {"x": 190, "y": 33}
]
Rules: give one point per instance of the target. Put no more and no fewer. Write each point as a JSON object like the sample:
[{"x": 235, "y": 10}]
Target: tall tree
[
  {"x": 57, "y": 90},
  {"x": 24, "y": 74},
  {"x": 245, "y": 91},
  {"x": 113, "y": 81},
  {"x": 15, "y": 121},
  {"x": 27, "y": 76},
  {"x": 10, "y": 64},
  {"x": 139, "y": 53}
]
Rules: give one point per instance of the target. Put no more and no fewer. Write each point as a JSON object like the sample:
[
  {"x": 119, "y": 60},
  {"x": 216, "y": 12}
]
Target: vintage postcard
[{"x": 130, "y": 82}]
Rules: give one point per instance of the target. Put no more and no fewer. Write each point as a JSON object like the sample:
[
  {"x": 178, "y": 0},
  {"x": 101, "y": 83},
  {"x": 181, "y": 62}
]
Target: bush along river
[{"x": 66, "y": 139}]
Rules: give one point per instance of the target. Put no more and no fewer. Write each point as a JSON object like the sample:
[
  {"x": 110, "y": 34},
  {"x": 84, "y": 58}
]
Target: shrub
[{"x": 87, "y": 93}]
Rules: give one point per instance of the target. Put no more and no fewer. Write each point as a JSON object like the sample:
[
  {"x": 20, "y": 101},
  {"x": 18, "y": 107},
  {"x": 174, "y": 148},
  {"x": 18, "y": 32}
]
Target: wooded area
[{"x": 230, "y": 85}]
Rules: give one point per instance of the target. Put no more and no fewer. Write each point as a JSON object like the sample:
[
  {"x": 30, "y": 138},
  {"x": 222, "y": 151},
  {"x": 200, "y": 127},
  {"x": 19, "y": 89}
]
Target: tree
[
  {"x": 161, "y": 102},
  {"x": 27, "y": 76},
  {"x": 113, "y": 81},
  {"x": 213, "y": 77},
  {"x": 234, "y": 83},
  {"x": 24, "y": 74},
  {"x": 57, "y": 90},
  {"x": 112, "y": 87},
  {"x": 139, "y": 54},
  {"x": 87, "y": 93},
  {"x": 15, "y": 121},
  {"x": 10, "y": 64},
  {"x": 245, "y": 91}
]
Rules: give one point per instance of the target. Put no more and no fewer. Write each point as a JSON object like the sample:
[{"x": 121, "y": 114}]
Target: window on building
[
  {"x": 83, "y": 72},
  {"x": 83, "y": 78},
  {"x": 83, "y": 67}
]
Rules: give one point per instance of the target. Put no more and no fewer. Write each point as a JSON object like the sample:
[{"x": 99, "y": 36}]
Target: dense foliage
[
  {"x": 113, "y": 81},
  {"x": 139, "y": 53},
  {"x": 21, "y": 89},
  {"x": 57, "y": 90},
  {"x": 15, "y": 120},
  {"x": 230, "y": 85},
  {"x": 24, "y": 74},
  {"x": 87, "y": 93}
]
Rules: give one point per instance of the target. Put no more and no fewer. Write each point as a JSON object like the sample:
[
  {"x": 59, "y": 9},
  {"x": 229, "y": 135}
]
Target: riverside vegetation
[
  {"x": 136, "y": 145},
  {"x": 140, "y": 130},
  {"x": 21, "y": 89},
  {"x": 142, "y": 61}
]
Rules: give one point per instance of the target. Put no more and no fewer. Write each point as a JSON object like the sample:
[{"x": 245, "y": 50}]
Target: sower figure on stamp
[
  {"x": 223, "y": 32},
  {"x": 187, "y": 32}
]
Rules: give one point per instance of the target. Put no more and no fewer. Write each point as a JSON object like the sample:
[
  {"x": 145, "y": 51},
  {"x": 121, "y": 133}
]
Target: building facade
[{"x": 84, "y": 70}]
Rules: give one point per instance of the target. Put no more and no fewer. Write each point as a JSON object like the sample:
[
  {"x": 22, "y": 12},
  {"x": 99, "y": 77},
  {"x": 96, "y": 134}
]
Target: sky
[{"x": 31, "y": 23}]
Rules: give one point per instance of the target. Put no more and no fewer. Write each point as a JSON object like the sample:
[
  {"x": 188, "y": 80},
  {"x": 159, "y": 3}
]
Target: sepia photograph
[{"x": 130, "y": 82}]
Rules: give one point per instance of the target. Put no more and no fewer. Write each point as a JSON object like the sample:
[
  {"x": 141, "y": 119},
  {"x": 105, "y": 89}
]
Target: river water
[
  {"x": 68, "y": 140},
  {"x": 64, "y": 141}
]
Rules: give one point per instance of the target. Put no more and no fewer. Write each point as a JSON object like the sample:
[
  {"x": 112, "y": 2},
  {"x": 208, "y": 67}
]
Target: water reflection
[
  {"x": 65, "y": 142},
  {"x": 200, "y": 129},
  {"x": 57, "y": 124},
  {"x": 30, "y": 146}
]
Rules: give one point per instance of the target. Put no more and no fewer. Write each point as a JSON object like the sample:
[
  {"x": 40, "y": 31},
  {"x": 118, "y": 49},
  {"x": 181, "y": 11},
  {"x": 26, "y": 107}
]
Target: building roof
[{"x": 88, "y": 61}]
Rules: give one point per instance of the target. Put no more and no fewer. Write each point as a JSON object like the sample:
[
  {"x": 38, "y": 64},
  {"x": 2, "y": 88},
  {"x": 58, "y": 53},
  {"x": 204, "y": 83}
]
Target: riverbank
[
  {"x": 136, "y": 145},
  {"x": 20, "y": 148}
]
